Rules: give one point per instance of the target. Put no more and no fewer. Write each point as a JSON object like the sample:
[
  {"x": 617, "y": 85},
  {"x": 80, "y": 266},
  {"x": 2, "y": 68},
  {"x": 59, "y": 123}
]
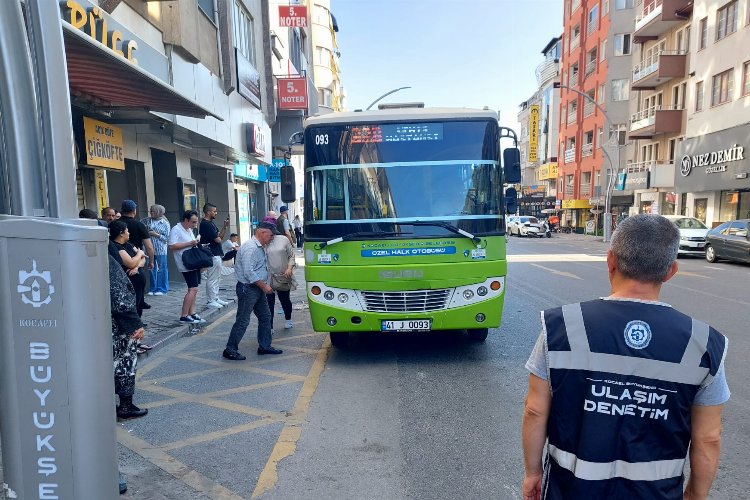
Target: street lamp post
[
  {"x": 385, "y": 95},
  {"x": 613, "y": 171}
]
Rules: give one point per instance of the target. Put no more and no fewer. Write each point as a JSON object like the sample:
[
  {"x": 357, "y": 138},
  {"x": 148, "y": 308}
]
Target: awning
[{"x": 95, "y": 71}]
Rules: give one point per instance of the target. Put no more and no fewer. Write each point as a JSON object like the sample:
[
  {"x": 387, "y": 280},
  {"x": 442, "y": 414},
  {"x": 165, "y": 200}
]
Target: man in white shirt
[{"x": 182, "y": 237}]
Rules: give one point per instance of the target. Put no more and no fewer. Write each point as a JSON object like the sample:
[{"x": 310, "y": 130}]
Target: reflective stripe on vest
[
  {"x": 580, "y": 357},
  {"x": 597, "y": 471}
]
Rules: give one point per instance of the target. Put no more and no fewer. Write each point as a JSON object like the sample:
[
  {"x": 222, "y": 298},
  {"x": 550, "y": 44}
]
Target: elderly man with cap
[
  {"x": 251, "y": 270},
  {"x": 283, "y": 225}
]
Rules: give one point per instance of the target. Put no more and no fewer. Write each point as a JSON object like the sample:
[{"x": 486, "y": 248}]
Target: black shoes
[
  {"x": 128, "y": 410},
  {"x": 233, "y": 355},
  {"x": 145, "y": 306},
  {"x": 270, "y": 350}
]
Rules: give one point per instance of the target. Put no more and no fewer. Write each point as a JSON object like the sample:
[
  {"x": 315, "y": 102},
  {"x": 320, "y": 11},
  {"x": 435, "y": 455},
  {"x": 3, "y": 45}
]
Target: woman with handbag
[
  {"x": 132, "y": 259},
  {"x": 281, "y": 264},
  {"x": 182, "y": 237}
]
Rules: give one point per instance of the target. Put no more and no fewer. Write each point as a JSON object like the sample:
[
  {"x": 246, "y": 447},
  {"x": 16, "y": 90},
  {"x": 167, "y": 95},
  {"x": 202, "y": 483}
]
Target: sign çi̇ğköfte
[{"x": 104, "y": 145}]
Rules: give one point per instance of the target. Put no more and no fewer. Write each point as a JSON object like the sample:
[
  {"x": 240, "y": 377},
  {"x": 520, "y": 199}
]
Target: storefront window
[
  {"x": 734, "y": 205},
  {"x": 670, "y": 200},
  {"x": 699, "y": 209}
]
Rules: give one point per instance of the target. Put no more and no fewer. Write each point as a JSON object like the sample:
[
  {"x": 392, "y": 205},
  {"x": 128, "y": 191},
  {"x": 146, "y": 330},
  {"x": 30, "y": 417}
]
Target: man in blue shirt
[
  {"x": 621, "y": 387},
  {"x": 251, "y": 271}
]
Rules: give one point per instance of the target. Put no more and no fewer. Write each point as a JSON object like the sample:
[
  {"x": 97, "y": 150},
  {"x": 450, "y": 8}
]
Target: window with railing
[
  {"x": 585, "y": 184},
  {"x": 726, "y": 20},
  {"x": 588, "y": 105},
  {"x": 587, "y": 149},
  {"x": 644, "y": 9},
  {"x": 570, "y": 151},
  {"x": 593, "y": 20},
  {"x": 570, "y": 185},
  {"x": 573, "y": 77},
  {"x": 572, "y": 111},
  {"x": 575, "y": 37},
  {"x": 722, "y": 88},
  {"x": 591, "y": 61}
]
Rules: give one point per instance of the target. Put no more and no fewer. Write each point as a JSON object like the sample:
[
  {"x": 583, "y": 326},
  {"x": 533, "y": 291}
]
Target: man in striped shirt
[
  {"x": 158, "y": 228},
  {"x": 251, "y": 271}
]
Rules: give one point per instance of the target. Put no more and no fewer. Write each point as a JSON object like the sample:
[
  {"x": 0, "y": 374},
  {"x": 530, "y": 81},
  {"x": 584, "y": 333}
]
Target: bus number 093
[{"x": 321, "y": 139}]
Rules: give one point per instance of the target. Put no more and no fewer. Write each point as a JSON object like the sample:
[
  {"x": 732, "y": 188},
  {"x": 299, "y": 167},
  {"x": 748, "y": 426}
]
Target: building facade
[
  {"x": 712, "y": 172},
  {"x": 538, "y": 117},
  {"x": 596, "y": 62},
  {"x": 173, "y": 105},
  {"x": 327, "y": 72}
]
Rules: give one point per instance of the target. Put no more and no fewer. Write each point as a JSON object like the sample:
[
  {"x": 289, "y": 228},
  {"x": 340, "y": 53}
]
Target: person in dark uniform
[{"x": 621, "y": 387}]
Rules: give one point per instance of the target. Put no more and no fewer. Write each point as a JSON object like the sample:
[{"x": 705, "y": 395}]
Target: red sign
[
  {"x": 292, "y": 16},
  {"x": 292, "y": 93}
]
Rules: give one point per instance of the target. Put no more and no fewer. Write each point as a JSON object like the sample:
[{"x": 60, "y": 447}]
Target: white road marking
[
  {"x": 559, "y": 257},
  {"x": 559, "y": 273}
]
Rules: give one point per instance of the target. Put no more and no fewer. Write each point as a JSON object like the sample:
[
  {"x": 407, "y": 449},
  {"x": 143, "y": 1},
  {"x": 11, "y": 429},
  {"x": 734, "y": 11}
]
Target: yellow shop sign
[
  {"x": 104, "y": 146},
  {"x": 572, "y": 204}
]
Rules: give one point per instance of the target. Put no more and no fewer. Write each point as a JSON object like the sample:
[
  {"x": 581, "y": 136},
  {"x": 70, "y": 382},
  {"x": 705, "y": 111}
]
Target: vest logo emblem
[{"x": 637, "y": 334}]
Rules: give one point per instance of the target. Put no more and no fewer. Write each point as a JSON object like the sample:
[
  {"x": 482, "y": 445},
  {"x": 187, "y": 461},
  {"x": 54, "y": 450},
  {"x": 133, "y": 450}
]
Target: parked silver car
[{"x": 692, "y": 235}]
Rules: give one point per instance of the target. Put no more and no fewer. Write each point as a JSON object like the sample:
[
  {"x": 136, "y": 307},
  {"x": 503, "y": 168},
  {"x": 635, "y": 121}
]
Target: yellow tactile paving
[{"x": 188, "y": 351}]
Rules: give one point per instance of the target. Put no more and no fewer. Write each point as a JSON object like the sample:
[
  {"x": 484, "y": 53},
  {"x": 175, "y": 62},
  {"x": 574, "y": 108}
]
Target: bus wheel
[
  {"x": 478, "y": 334},
  {"x": 339, "y": 339}
]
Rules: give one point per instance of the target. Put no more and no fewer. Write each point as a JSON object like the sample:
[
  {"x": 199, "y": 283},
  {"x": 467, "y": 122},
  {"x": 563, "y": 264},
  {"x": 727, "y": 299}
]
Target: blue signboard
[
  {"x": 251, "y": 171},
  {"x": 621, "y": 178},
  {"x": 274, "y": 170}
]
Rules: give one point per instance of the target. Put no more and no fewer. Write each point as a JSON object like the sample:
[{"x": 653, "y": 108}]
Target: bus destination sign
[{"x": 402, "y": 132}]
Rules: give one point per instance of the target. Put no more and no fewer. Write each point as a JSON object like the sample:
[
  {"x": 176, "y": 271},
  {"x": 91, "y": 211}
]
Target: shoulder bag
[{"x": 197, "y": 258}]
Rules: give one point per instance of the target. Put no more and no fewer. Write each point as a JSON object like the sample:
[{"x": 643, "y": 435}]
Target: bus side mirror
[
  {"x": 288, "y": 185},
  {"x": 512, "y": 165},
  {"x": 511, "y": 200}
]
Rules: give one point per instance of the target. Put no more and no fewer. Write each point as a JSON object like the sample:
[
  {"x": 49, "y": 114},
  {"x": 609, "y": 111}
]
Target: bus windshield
[{"x": 375, "y": 177}]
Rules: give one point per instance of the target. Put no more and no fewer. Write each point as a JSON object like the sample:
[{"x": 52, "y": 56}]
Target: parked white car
[
  {"x": 525, "y": 225},
  {"x": 692, "y": 235}
]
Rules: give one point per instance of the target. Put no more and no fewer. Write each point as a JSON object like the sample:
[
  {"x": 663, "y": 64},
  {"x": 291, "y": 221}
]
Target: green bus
[{"x": 404, "y": 220}]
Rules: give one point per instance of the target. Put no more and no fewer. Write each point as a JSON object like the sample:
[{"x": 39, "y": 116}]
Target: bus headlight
[
  {"x": 468, "y": 294},
  {"x": 343, "y": 298},
  {"x": 482, "y": 291},
  {"x": 328, "y": 295}
]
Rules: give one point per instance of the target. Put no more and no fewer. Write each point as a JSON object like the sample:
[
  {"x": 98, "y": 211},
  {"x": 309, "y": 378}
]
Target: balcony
[
  {"x": 587, "y": 149},
  {"x": 655, "y": 121},
  {"x": 570, "y": 155},
  {"x": 588, "y": 109},
  {"x": 569, "y": 192},
  {"x": 546, "y": 71},
  {"x": 575, "y": 42},
  {"x": 659, "y": 68},
  {"x": 573, "y": 79},
  {"x": 590, "y": 67},
  {"x": 656, "y": 18},
  {"x": 585, "y": 189},
  {"x": 640, "y": 166},
  {"x": 572, "y": 117}
]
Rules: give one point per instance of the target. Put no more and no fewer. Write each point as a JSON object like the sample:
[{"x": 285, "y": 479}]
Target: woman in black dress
[{"x": 132, "y": 259}]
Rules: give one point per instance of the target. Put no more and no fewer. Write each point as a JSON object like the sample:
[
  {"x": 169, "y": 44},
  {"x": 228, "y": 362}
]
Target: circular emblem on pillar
[
  {"x": 637, "y": 334},
  {"x": 686, "y": 165}
]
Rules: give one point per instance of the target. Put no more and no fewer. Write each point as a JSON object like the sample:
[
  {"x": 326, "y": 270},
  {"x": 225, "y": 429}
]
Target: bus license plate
[{"x": 406, "y": 325}]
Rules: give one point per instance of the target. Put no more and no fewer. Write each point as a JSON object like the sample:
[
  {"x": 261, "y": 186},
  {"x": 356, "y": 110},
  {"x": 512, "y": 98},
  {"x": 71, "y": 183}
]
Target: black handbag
[{"x": 197, "y": 258}]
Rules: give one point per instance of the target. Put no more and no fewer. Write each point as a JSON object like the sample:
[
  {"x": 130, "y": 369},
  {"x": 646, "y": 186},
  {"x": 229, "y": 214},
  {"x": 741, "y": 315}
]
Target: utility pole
[
  {"x": 613, "y": 169},
  {"x": 385, "y": 95}
]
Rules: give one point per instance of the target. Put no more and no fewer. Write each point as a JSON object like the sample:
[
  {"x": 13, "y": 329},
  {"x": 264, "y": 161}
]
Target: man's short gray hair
[{"x": 645, "y": 246}]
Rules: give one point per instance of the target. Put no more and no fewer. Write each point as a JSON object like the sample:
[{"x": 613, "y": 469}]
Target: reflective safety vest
[{"x": 623, "y": 376}]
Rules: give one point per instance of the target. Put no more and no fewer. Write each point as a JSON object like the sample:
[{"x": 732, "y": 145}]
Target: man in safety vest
[{"x": 622, "y": 386}]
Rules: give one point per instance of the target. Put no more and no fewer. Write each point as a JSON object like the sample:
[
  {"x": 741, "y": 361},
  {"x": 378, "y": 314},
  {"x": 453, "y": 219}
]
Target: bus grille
[{"x": 416, "y": 301}]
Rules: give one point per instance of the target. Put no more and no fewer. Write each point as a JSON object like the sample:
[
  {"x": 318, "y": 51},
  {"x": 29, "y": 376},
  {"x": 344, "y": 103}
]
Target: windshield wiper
[
  {"x": 360, "y": 234},
  {"x": 445, "y": 225}
]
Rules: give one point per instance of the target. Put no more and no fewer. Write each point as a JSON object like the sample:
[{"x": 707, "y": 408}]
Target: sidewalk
[{"x": 162, "y": 320}]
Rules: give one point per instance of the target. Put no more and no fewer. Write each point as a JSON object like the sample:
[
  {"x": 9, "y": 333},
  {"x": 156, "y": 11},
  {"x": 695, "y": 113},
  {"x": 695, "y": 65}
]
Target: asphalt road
[{"x": 437, "y": 416}]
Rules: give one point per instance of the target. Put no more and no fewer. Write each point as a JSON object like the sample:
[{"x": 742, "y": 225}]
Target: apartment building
[
  {"x": 538, "y": 117},
  {"x": 172, "y": 104},
  {"x": 296, "y": 93},
  {"x": 594, "y": 107},
  {"x": 327, "y": 73},
  {"x": 712, "y": 174}
]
